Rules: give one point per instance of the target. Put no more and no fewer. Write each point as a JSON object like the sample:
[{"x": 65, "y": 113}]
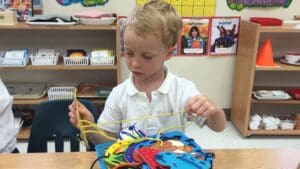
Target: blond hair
[{"x": 157, "y": 18}]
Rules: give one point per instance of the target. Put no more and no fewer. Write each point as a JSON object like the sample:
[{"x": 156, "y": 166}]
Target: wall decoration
[
  {"x": 224, "y": 35},
  {"x": 37, "y": 7},
  {"x": 23, "y": 8},
  {"x": 194, "y": 36},
  {"x": 122, "y": 20},
  {"x": 86, "y": 3},
  {"x": 241, "y": 4},
  {"x": 37, "y": 4},
  {"x": 190, "y": 8}
]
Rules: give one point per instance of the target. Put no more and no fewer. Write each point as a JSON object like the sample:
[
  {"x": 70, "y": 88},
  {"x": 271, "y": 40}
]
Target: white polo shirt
[
  {"x": 126, "y": 102},
  {"x": 8, "y": 132}
]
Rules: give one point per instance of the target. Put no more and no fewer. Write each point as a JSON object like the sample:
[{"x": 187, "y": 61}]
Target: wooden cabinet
[
  {"x": 248, "y": 77},
  {"x": 61, "y": 38}
]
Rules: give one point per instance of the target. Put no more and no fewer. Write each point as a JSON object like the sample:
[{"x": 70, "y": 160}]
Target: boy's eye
[
  {"x": 147, "y": 57},
  {"x": 128, "y": 53}
]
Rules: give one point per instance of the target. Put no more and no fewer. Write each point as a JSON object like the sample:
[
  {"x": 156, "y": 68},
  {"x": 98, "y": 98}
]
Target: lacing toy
[
  {"x": 166, "y": 150},
  {"x": 173, "y": 150}
]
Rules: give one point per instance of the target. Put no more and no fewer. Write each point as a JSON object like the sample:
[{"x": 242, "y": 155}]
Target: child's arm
[
  {"x": 202, "y": 106},
  {"x": 96, "y": 138},
  {"x": 85, "y": 114}
]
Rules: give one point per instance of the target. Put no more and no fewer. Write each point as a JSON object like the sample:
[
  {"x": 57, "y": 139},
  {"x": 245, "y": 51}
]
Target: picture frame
[
  {"x": 122, "y": 20},
  {"x": 193, "y": 40},
  {"x": 23, "y": 8},
  {"x": 224, "y": 35},
  {"x": 175, "y": 50},
  {"x": 37, "y": 4}
]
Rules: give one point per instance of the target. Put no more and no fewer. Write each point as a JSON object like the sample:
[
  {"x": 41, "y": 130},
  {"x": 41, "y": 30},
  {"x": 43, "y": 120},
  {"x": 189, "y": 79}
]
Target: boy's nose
[{"x": 136, "y": 63}]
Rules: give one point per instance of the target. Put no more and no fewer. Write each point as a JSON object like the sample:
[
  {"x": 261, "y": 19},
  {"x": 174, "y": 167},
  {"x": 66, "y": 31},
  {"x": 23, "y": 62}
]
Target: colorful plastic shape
[
  {"x": 131, "y": 133},
  {"x": 100, "y": 150},
  {"x": 174, "y": 161},
  {"x": 114, "y": 155},
  {"x": 136, "y": 151},
  {"x": 148, "y": 155},
  {"x": 131, "y": 154},
  {"x": 128, "y": 165}
]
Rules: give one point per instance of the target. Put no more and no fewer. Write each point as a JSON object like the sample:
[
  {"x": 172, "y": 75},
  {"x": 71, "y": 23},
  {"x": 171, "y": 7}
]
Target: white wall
[{"x": 212, "y": 75}]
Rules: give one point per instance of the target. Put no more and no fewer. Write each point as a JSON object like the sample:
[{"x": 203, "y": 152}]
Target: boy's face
[{"x": 144, "y": 55}]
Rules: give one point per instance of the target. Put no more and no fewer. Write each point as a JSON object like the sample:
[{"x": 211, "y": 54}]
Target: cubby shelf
[
  {"x": 249, "y": 77},
  {"x": 78, "y": 36}
]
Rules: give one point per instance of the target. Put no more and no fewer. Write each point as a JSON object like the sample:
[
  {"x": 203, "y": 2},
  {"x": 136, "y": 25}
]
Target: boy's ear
[{"x": 170, "y": 52}]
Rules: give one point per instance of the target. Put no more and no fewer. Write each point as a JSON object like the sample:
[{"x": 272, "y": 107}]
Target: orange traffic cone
[{"x": 265, "y": 55}]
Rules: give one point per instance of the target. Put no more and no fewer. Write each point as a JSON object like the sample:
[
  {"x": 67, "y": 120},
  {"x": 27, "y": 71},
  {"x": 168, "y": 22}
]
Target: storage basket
[
  {"x": 26, "y": 90},
  {"x": 15, "y": 58},
  {"x": 80, "y": 61},
  {"x": 102, "y": 61},
  {"x": 14, "y": 62},
  {"x": 1, "y": 56},
  {"x": 38, "y": 60},
  {"x": 61, "y": 93}
]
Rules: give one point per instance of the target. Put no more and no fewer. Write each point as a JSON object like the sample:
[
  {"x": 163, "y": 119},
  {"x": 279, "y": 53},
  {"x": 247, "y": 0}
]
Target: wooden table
[{"x": 225, "y": 159}]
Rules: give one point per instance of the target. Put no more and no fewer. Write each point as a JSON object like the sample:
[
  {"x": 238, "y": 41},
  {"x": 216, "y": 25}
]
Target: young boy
[
  {"x": 150, "y": 34},
  {"x": 8, "y": 142}
]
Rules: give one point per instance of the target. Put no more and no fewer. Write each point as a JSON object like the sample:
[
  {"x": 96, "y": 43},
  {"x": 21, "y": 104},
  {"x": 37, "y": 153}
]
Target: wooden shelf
[
  {"x": 248, "y": 77},
  {"x": 264, "y": 87},
  {"x": 281, "y": 67},
  {"x": 37, "y": 101},
  {"x": 61, "y": 66},
  {"x": 293, "y": 28},
  {"x": 274, "y": 132},
  {"x": 291, "y": 101},
  {"x": 61, "y": 38},
  {"x": 24, "y": 133},
  {"x": 24, "y": 26}
]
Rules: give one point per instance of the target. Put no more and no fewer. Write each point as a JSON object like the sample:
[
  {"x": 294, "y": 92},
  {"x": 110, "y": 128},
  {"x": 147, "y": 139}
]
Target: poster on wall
[
  {"x": 224, "y": 35},
  {"x": 239, "y": 5},
  {"x": 194, "y": 36},
  {"x": 23, "y": 8},
  {"x": 37, "y": 4}
]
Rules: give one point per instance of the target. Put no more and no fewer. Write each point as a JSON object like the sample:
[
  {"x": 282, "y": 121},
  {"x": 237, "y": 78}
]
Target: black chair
[{"x": 51, "y": 122}]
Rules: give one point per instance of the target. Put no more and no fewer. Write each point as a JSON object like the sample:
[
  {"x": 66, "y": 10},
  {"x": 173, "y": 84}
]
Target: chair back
[{"x": 51, "y": 122}]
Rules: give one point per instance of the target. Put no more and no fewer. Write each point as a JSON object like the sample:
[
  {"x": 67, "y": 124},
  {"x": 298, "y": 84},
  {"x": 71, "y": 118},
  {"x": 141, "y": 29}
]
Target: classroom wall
[{"x": 212, "y": 75}]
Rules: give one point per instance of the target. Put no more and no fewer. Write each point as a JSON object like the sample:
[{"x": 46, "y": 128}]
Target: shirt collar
[{"x": 164, "y": 88}]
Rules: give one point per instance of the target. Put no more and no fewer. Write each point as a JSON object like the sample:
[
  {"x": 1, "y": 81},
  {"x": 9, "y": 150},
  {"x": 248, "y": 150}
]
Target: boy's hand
[
  {"x": 84, "y": 112},
  {"x": 201, "y": 106}
]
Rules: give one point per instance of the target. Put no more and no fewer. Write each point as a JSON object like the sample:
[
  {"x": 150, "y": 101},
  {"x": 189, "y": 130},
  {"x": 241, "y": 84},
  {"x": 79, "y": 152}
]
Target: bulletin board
[{"x": 189, "y": 8}]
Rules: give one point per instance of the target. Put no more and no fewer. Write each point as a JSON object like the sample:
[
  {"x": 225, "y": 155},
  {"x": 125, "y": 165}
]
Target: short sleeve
[{"x": 111, "y": 113}]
